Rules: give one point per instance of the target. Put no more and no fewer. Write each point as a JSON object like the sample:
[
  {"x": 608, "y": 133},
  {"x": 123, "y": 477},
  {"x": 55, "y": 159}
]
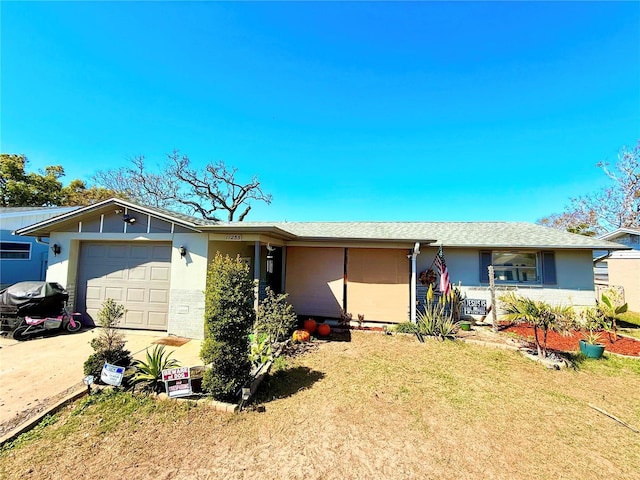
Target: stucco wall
[
  {"x": 625, "y": 272},
  {"x": 188, "y": 283}
]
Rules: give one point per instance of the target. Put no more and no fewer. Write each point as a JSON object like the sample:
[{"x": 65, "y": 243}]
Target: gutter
[
  {"x": 412, "y": 306},
  {"x": 602, "y": 257}
]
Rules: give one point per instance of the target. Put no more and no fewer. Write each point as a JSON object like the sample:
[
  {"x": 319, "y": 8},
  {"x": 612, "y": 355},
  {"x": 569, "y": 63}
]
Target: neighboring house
[
  {"x": 154, "y": 262},
  {"x": 23, "y": 258},
  {"x": 621, "y": 268}
]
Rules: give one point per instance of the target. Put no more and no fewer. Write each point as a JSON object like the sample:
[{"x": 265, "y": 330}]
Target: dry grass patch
[{"x": 376, "y": 407}]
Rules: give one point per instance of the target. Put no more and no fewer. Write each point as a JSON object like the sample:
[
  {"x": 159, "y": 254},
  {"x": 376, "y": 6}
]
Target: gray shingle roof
[{"x": 453, "y": 234}]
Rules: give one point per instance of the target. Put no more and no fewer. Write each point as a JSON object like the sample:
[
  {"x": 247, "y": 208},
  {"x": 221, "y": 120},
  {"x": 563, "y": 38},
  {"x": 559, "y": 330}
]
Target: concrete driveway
[{"x": 34, "y": 372}]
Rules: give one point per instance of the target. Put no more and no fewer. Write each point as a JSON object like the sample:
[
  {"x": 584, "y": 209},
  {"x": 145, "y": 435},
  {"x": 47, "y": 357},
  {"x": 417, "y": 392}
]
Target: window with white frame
[
  {"x": 519, "y": 267},
  {"x": 15, "y": 251}
]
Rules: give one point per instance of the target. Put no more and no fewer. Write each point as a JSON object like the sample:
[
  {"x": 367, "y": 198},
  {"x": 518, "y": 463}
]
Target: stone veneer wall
[{"x": 186, "y": 313}]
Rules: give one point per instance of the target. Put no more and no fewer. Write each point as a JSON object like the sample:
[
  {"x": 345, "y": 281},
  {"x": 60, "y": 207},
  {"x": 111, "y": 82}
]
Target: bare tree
[
  {"x": 612, "y": 207},
  {"x": 181, "y": 187}
]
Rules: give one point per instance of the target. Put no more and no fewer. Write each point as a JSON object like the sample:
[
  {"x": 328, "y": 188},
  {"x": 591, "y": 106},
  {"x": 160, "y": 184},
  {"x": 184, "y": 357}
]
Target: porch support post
[
  {"x": 256, "y": 275},
  {"x": 283, "y": 269},
  {"x": 414, "y": 286}
]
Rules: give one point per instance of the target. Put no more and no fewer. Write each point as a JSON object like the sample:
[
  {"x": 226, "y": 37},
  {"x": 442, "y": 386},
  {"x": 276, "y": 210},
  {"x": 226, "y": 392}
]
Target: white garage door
[{"x": 135, "y": 275}]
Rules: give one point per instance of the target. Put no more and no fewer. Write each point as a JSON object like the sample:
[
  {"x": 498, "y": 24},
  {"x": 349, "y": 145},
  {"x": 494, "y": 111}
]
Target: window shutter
[
  {"x": 485, "y": 261},
  {"x": 548, "y": 268}
]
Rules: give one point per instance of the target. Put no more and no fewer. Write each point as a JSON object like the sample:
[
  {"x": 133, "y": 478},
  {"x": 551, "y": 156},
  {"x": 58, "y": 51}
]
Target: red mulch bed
[{"x": 569, "y": 343}]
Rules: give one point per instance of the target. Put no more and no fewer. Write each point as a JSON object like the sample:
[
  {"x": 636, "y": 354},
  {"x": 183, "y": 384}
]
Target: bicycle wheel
[
  {"x": 72, "y": 328},
  {"x": 20, "y": 333}
]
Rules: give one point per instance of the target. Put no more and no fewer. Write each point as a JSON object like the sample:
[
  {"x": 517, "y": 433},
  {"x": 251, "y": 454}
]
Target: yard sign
[
  {"x": 177, "y": 381},
  {"x": 112, "y": 374}
]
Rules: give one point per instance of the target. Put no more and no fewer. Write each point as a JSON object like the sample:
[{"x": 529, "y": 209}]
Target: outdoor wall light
[
  {"x": 183, "y": 251},
  {"x": 270, "y": 251},
  {"x": 128, "y": 219},
  {"x": 55, "y": 248}
]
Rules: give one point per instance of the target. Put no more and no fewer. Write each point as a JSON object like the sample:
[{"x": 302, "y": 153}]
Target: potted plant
[
  {"x": 590, "y": 345},
  {"x": 465, "y": 325}
]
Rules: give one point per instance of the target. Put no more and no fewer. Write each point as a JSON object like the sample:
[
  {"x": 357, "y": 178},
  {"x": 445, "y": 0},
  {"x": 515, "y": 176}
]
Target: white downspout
[{"x": 414, "y": 255}]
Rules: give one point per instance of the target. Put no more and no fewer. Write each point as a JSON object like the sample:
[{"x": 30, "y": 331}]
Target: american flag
[{"x": 445, "y": 284}]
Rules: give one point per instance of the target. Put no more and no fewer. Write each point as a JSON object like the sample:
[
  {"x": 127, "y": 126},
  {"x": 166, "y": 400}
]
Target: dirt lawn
[{"x": 375, "y": 407}]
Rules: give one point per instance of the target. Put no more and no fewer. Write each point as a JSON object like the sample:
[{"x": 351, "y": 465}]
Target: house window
[
  {"x": 15, "y": 251},
  {"x": 517, "y": 267}
]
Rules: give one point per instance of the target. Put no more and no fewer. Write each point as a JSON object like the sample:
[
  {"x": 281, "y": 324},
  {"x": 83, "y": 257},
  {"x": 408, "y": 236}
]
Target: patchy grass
[
  {"x": 629, "y": 324},
  {"x": 375, "y": 407}
]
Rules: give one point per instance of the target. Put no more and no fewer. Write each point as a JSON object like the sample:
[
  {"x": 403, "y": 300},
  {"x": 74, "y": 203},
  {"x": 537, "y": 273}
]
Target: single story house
[
  {"x": 621, "y": 268},
  {"x": 23, "y": 258},
  {"x": 155, "y": 262}
]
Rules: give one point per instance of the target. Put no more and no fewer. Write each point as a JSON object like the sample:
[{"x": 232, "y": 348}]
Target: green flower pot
[
  {"x": 466, "y": 326},
  {"x": 590, "y": 350}
]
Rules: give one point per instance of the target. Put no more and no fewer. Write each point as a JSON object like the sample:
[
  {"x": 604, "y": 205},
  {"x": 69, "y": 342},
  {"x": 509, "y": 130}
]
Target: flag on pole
[{"x": 445, "y": 284}]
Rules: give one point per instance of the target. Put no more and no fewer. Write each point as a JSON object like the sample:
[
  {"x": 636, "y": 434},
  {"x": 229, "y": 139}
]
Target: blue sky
[{"x": 425, "y": 111}]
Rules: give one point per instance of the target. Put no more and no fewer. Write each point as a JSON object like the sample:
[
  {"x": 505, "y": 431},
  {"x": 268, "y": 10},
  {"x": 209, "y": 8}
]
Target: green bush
[
  {"x": 276, "y": 318},
  {"x": 116, "y": 356},
  {"x": 109, "y": 343},
  {"x": 229, "y": 316},
  {"x": 406, "y": 327}
]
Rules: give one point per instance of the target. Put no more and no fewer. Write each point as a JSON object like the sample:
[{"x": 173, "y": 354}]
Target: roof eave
[{"x": 42, "y": 229}]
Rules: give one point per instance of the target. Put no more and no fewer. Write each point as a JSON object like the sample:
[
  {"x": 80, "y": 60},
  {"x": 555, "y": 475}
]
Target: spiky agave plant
[{"x": 149, "y": 373}]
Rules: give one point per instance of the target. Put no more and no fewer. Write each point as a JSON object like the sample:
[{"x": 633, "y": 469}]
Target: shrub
[
  {"x": 539, "y": 314},
  {"x": 149, "y": 373},
  {"x": 276, "y": 317},
  {"x": 229, "y": 316},
  {"x": 406, "y": 327},
  {"x": 109, "y": 343}
]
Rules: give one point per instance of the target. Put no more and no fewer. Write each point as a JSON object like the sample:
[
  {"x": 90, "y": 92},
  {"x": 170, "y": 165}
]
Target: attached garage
[
  {"x": 378, "y": 284},
  {"x": 134, "y": 274}
]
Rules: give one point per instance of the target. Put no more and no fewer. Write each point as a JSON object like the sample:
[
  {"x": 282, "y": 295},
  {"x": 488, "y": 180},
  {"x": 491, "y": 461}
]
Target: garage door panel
[
  {"x": 93, "y": 293},
  {"x": 158, "y": 319},
  {"x": 159, "y": 273},
  {"x": 140, "y": 252},
  {"x": 117, "y": 275},
  {"x": 135, "y": 275},
  {"x": 134, "y": 318},
  {"x": 118, "y": 251},
  {"x": 161, "y": 253},
  {"x": 135, "y": 294},
  {"x": 114, "y": 293},
  {"x": 158, "y": 296}
]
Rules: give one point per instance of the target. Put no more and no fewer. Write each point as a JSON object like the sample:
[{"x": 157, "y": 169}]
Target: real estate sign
[
  {"x": 112, "y": 374},
  {"x": 177, "y": 381}
]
